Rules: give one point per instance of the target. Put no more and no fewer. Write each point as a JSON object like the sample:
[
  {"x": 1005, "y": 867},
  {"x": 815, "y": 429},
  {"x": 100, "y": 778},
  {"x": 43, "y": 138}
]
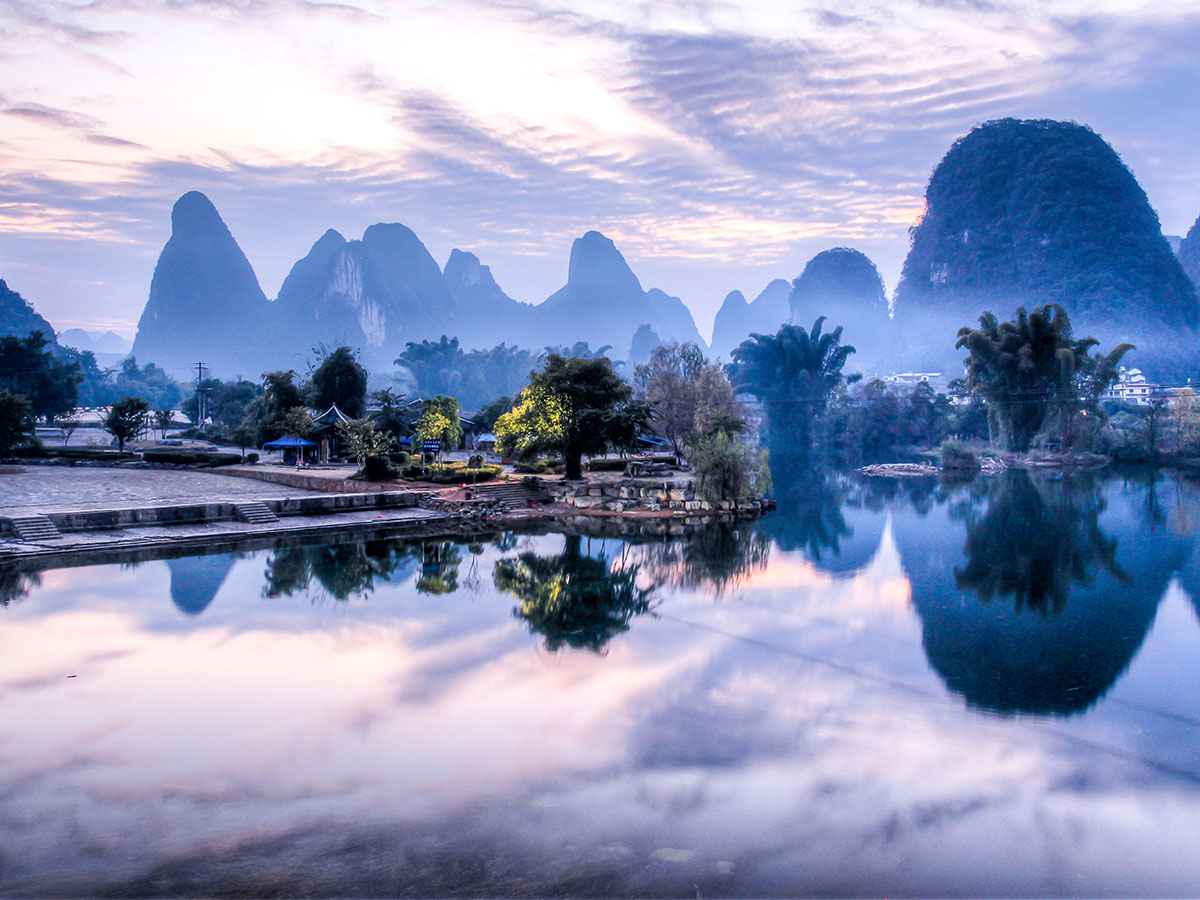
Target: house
[
  {"x": 1131, "y": 387},
  {"x": 327, "y": 432}
]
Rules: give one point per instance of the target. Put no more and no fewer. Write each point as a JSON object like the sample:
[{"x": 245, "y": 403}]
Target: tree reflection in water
[
  {"x": 15, "y": 584},
  {"x": 809, "y": 501},
  {"x": 1084, "y": 582},
  {"x": 439, "y": 568},
  {"x": 573, "y": 599},
  {"x": 343, "y": 570},
  {"x": 714, "y": 557},
  {"x": 1035, "y": 541}
]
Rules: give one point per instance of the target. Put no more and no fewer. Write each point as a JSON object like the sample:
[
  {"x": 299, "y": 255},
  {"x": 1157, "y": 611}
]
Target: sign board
[{"x": 433, "y": 446}]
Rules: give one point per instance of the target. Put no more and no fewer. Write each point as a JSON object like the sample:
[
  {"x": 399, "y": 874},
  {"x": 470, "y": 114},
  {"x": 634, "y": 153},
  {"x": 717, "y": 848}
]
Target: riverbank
[{"x": 56, "y": 512}]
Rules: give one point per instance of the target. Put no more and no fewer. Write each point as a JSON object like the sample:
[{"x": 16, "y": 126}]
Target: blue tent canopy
[
  {"x": 657, "y": 441},
  {"x": 289, "y": 441}
]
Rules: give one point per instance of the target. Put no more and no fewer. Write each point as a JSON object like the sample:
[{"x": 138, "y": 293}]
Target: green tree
[
  {"x": 1035, "y": 376},
  {"x": 16, "y": 421},
  {"x": 149, "y": 382},
  {"x": 340, "y": 379},
  {"x": 280, "y": 396},
  {"x": 486, "y": 418},
  {"x": 126, "y": 419},
  {"x": 163, "y": 419},
  {"x": 28, "y": 368},
  {"x": 297, "y": 421},
  {"x": 570, "y": 406},
  {"x": 362, "y": 440},
  {"x": 685, "y": 390},
  {"x": 395, "y": 414},
  {"x": 439, "y": 421},
  {"x": 793, "y": 373}
]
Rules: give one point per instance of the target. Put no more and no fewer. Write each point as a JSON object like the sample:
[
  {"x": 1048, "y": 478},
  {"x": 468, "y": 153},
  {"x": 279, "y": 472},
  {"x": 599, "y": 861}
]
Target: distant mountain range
[
  {"x": 375, "y": 295},
  {"x": 1018, "y": 212}
]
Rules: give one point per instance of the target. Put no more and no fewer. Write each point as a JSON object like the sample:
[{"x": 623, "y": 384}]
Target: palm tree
[
  {"x": 1034, "y": 375},
  {"x": 793, "y": 373}
]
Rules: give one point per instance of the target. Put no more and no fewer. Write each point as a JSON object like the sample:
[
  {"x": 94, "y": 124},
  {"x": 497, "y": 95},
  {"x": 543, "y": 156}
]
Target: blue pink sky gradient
[{"x": 719, "y": 144}]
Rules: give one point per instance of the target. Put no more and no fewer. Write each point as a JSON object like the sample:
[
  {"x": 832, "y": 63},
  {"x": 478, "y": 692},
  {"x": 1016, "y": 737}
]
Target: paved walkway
[{"x": 85, "y": 487}]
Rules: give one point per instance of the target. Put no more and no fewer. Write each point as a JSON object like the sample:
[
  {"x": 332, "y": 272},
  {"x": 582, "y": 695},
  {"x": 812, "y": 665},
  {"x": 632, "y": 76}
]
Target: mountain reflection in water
[{"x": 882, "y": 688}]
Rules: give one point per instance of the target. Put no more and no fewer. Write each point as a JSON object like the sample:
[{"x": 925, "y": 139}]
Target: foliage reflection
[
  {"x": 573, "y": 599},
  {"x": 1032, "y": 544}
]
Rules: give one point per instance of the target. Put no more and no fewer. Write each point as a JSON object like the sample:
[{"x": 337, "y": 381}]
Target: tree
[
  {"x": 341, "y": 380},
  {"x": 149, "y": 382},
  {"x": 126, "y": 419},
  {"x": 68, "y": 425},
  {"x": 439, "y": 421},
  {"x": 29, "y": 369},
  {"x": 727, "y": 468},
  {"x": 16, "y": 421},
  {"x": 297, "y": 421},
  {"x": 486, "y": 418},
  {"x": 670, "y": 381},
  {"x": 267, "y": 413},
  {"x": 570, "y": 406},
  {"x": 395, "y": 415},
  {"x": 1035, "y": 376},
  {"x": 793, "y": 373},
  {"x": 362, "y": 440},
  {"x": 163, "y": 418}
]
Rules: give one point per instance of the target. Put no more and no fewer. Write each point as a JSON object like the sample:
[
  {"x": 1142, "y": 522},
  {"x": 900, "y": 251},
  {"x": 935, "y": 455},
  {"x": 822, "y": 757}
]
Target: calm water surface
[{"x": 885, "y": 688}]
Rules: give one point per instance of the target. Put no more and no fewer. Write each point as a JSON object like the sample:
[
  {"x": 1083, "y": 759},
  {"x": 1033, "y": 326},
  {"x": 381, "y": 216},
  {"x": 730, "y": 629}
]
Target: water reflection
[
  {"x": 571, "y": 598},
  {"x": 16, "y": 584},
  {"x": 341, "y": 571},
  {"x": 799, "y": 718},
  {"x": 716, "y": 557},
  {"x": 195, "y": 580},
  {"x": 1041, "y": 605},
  {"x": 1035, "y": 541}
]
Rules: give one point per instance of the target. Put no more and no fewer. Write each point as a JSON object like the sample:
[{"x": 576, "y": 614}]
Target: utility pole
[{"x": 201, "y": 399}]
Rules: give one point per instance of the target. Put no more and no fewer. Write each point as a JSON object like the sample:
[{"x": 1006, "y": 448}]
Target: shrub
[
  {"x": 607, "y": 465},
  {"x": 955, "y": 455},
  {"x": 191, "y": 457},
  {"x": 531, "y": 468},
  {"x": 458, "y": 474},
  {"x": 476, "y": 461},
  {"x": 91, "y": 453},
  {"x": 251, "y": 457},
  {"x": 399, "y": 457},
  {"x": 379, "y": 468}
]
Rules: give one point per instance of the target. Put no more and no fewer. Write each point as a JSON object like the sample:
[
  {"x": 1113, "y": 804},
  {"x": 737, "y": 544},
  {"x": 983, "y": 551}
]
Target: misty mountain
[
  {"x": 485, "y": 315},
  {"x": 737, "y": 319},
  {"x": 603, "y": 302},
  {"x": 844, "y": 286},
  {"x": 205, "y": 302},
  {"x": 107, "y": 342},
  {"x": 18, "y": 317},
  {"x": 1027, "y": 212},
  {"x": 373, "y": 294},
  {"x": 1189, "y": 254}
]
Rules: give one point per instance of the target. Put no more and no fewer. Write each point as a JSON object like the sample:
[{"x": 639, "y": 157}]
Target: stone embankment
[{"x": 645, "y": 495}]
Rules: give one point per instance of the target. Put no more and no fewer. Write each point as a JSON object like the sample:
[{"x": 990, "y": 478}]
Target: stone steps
[
  {"x": 254, "y": 512},
  {"x": 512, "y": 495},
  {"x": 34, "y": 528}
]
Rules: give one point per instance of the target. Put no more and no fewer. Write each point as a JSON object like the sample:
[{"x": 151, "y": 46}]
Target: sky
[{"x": 719, "y": 144}]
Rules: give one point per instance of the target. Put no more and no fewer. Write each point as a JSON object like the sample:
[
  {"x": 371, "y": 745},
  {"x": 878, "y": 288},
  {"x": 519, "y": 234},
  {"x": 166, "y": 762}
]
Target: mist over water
[{"x": 887, "y": 687}]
